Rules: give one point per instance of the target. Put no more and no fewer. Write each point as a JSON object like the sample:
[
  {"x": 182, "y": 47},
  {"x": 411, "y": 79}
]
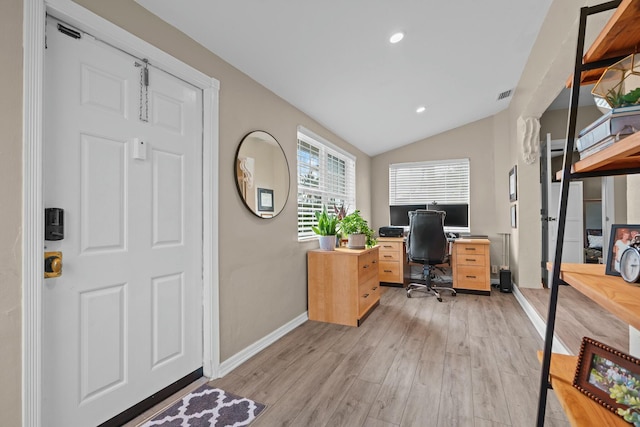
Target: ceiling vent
[{"x": 505, "y": 94}]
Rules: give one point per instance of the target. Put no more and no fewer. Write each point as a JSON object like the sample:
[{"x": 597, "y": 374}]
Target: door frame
[{"x": 35, "y": 12}]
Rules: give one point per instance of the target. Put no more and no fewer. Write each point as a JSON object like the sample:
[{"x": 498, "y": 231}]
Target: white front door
[
  {"x": 573, "y": 248},
  {"x": 124, "y": 320}
]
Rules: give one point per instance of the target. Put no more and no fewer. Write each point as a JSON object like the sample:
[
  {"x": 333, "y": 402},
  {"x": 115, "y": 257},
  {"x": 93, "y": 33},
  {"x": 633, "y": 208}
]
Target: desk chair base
[{"x": 428, "y": 287}]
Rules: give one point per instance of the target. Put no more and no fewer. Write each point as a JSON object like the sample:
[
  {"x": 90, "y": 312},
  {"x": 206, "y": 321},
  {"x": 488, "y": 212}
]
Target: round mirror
[{"x": 262, "y": 174}]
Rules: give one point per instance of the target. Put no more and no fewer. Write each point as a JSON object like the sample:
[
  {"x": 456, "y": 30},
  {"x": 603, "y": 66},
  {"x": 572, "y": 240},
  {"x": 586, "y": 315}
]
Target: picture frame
[
  {"x": 265, "y": 200},
  {"x": 513, "y": 184},
  {"x": 601, "y": 368},
  {"x": 514, "y": 224},
  {"x": 619, "y": 238}
]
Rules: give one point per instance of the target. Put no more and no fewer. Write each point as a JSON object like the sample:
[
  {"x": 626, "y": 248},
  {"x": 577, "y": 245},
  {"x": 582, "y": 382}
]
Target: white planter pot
[
  {"x": 357, "y": 241},
  {"x": 327, "y": 243}
]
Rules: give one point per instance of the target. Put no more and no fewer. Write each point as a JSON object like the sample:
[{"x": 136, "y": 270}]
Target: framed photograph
[
  {"x": 603, "y": 371},
  {"x": 514, "y": 224},
  {"x": 620, "y": 238},
  {"x": 265, "y": 200},
  {"x": 513, "y": 187}
]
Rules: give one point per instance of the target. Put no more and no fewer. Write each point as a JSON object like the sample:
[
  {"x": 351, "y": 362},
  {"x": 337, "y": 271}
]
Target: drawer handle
[
  {"x": 374, "y": 261},
  {"x": 469, "y": 249},
  {"x": 387, "y": 246},
  {"x": 470, "y": 259},
  {"x": 388, "y": 256},
  {"x": 374, "y": 288},
  {"x": 387, "y": 271},
  {"x": 365, "y": 296},
  {"x": 366, "y": 266},
  {"x": 471, "y": 277}
]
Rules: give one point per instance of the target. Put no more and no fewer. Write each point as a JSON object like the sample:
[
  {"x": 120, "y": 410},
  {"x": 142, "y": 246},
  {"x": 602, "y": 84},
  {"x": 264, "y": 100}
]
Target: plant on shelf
[
  {"x": 355, "y": 226},
  {"x": 617, "y": 99},
  {"x": 327, "y": 228}
]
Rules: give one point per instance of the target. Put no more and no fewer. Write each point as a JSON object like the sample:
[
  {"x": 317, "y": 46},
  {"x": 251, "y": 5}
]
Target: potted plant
[
  {"x": 326, "y": 229},
  {"x": 360, "y": 235}
]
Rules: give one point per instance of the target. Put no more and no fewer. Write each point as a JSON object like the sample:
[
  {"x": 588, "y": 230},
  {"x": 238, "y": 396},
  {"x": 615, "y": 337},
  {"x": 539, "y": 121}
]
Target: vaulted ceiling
[{"x": 333, "y": 60}]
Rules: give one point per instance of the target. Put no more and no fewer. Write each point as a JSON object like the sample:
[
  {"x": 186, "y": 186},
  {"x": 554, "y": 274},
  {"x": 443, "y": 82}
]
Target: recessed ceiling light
[
  {"x": 421, "y": 109},
  {"x": 396, "y": 37}
]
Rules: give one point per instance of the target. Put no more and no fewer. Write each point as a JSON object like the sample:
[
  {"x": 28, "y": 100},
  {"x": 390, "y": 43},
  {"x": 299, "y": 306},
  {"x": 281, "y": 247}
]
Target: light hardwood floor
[
  {"x": 578, "y": 316},
  {"x": 468, "y": 361}
]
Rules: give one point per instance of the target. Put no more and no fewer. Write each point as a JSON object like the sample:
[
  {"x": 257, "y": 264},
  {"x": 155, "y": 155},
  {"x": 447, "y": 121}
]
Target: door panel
[
  {"x": 102, "y": 334},
  {"x": 573, "y": 247},
  {"x": 125, "y": 318},
  {"x": 103, "y": 189}
]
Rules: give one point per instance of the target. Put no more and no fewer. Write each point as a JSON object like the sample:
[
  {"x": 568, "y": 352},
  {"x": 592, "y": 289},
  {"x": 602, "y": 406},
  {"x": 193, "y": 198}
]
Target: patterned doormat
[{"x": 207, "y": 406}]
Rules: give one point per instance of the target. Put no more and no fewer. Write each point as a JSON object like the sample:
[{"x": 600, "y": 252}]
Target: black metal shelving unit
[{"x": 567, "y": 176}]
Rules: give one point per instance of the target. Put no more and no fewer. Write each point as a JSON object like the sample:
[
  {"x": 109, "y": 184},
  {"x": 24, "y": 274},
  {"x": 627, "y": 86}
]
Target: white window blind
[
  {"x": 442, "y": 181},
  {"x": 326, "y": 176}
]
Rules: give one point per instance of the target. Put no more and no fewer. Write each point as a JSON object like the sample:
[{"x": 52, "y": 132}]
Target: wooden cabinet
[
  {"x": 471, "y": 265},
  {"x": 392, "y": 260},
  {"x": 343, "y": 285}
]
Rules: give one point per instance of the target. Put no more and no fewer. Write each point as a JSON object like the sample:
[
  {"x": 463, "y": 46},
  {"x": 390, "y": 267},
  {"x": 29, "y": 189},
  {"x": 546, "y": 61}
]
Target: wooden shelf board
[
  {"x": 579, "y": 408},
  {"x": 610, "y": 292},
  {"x": 619, "y": 37},
  {"x": 624, "y": 154}
]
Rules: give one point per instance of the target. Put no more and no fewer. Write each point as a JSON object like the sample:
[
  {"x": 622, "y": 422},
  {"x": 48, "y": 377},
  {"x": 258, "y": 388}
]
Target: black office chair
[{"x": 427, "y": 244}]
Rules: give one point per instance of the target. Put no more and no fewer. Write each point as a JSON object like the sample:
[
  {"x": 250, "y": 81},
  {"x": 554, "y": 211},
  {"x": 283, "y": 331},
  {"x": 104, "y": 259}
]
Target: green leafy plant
[
  {"x": 355, "y": 224},
  {"x": 327, "y": 223},
  {"x": 617, "y": 99}
]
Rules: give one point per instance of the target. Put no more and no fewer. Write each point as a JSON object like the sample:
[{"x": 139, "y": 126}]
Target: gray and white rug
[{"x": 207, "y": 406}]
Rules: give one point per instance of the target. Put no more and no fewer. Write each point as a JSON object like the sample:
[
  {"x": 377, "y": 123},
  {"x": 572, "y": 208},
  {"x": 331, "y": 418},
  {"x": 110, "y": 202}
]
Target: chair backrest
[{"x": 427, "y": 242}]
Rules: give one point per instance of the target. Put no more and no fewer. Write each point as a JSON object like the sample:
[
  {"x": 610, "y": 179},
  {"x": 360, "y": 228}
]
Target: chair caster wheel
[
  {"x": 408, "y": 295},
  {"x": 440, "y": 299},
  {"x": 454, "y": 295}
]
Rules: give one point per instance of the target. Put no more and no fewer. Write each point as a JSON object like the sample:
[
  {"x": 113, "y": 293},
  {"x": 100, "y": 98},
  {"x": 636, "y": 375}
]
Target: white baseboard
[
  {"x": 538, "y": 322},
  {"x": 248, "y": 352}
]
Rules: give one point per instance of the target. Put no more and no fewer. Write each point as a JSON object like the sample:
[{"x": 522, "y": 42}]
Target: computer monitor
[
  {"x": 457, "y": 214},
  {"x": 399, "y": 214}
]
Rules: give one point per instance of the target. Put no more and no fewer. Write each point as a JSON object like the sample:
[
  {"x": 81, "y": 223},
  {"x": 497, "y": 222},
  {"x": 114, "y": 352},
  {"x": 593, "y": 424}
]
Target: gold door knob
[{"x": 52, "y": 264}]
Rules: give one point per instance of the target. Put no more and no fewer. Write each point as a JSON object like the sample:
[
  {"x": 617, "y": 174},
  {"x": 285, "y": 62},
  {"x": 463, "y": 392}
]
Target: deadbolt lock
[{"x": 52, "y": 264}]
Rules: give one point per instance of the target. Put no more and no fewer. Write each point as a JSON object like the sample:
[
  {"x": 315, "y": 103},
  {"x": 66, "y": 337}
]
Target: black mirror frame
[{"x": 266, "y": 215}]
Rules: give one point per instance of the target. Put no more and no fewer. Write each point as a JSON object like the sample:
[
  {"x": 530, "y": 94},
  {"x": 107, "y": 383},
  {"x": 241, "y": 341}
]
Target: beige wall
[
  {"x": 10, "y": 209},
  {"x": 474, "y": 141},
  {"x": 547, "y": 69}
]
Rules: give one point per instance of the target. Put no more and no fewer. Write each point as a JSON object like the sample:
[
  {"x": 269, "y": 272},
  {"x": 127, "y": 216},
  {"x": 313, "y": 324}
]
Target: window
[
  {"x": 445, "y": 182},
  {"x": 326, "y": 176}
]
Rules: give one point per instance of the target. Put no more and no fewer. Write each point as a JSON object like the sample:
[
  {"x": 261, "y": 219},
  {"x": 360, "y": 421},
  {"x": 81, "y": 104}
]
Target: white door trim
[{"x": 33, "y": 215}]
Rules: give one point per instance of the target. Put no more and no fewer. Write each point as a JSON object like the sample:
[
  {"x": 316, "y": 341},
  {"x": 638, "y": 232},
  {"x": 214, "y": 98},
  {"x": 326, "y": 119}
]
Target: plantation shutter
[{"x": 326, "y": 176}]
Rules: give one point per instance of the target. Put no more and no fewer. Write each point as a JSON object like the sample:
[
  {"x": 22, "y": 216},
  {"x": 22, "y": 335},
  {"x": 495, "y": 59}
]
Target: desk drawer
[
  {"x": 390, "y": 247},
  {"x": 368, "y": 294},
  {"x": 367, "y": 266},
  {"x": 470, "y": 277},
  {"x": 470, "y": 259},
  {"x": 470, "y": 249},
  {"x": 390, "y": 256},
  {"x": 390, "y": 271}
]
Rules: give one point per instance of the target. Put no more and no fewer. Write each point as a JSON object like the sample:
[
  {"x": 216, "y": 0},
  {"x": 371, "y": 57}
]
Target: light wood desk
[{"x": 469, "y": 259}]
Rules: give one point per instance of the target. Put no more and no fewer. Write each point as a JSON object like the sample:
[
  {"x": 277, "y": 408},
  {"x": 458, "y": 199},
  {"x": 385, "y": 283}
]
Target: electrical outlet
[{"x": 494, "y": 269}]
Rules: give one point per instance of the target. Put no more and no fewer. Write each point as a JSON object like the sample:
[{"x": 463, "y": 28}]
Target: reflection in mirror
[{"x": 262, "y": 174}]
